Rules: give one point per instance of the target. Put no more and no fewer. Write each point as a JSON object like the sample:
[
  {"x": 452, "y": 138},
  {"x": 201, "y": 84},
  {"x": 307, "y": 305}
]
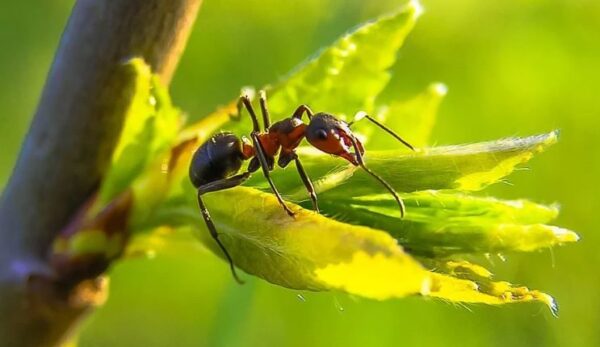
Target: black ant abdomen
[{"x": 219, "y": 157}]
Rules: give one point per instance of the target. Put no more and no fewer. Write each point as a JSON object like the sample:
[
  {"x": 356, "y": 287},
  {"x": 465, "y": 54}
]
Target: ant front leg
[
  {"x": 361, "y": 162},
  {"x": 284, "y": 160},
  {"x": 244, "y": 101},
  {"x": 213, "y": 187},
  {"x": 307, "y": 183},
  {"x": 264, "y": 109},
  {"x": 262, "y": 158}
]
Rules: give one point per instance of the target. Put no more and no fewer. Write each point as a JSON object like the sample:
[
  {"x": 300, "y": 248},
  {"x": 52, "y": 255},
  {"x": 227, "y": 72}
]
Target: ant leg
[
  {"x": 244, "y": 101},
  {"x": 361, "y": 163},
  {"x": 213, "y": 232},
  {"x": 362, "y": 115},
  {"x": 212, "y": 187},
  {"x": 264, "y": 109},
  {"x": 260, "y": 154},
  {"x": 223, "y": 184},
  {"x": 284, "y": 159},
  {"x": 300, "y": 111},
  {"x": 307, "y": 183}
]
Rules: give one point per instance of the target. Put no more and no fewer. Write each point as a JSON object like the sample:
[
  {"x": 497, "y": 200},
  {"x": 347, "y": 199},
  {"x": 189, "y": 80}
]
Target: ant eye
[{"x": 321, "y": 134}]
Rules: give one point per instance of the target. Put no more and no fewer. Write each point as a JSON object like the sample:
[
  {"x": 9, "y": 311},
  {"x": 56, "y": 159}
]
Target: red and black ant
[{"x": 216, "y": 163}]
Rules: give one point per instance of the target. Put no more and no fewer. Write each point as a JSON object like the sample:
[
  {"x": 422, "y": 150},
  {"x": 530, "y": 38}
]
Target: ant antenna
[
  {"x": 215, "y": 236},
  {"x": 362, "y": 115},
  {"x": 361, "y": 162}
]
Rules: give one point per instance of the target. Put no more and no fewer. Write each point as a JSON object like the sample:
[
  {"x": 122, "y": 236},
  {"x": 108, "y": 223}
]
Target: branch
[{"x": 68, "y": 149}]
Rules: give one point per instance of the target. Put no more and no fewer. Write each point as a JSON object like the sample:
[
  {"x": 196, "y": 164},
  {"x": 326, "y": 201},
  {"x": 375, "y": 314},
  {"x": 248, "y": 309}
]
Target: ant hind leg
[{"x": 213, "y": 187}]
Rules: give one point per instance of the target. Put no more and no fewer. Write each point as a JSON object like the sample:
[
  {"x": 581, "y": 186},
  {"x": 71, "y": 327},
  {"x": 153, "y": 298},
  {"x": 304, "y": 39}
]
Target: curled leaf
[{"x": 151, "y": 125}]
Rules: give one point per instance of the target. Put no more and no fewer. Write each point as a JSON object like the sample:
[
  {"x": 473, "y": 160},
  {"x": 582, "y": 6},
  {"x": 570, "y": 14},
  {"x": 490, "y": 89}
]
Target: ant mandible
[{"x": 216, "y": 163}]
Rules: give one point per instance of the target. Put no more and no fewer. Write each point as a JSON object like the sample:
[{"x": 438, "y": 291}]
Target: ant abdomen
[{"x": 219, "y": 157}]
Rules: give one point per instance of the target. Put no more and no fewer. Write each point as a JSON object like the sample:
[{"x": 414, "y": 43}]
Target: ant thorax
[{"x": 288, "y": 132}]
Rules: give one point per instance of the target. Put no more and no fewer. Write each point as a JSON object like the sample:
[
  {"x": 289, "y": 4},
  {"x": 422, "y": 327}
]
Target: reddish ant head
[{"x": 333, "y": 136}]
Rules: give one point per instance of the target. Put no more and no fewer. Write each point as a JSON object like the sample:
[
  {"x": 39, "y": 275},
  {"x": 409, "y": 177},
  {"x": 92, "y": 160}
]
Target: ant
[{"x": 216, "y": 163}]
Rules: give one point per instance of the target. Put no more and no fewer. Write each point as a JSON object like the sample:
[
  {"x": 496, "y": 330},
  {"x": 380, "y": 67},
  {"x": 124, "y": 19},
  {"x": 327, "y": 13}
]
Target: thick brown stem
[{"x": 68, "y": 150}]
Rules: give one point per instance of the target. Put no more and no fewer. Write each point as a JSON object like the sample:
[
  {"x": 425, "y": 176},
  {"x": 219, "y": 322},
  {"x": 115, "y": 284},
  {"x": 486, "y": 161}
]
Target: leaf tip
[
  {"x": 416, "y": 8},
  {"x": 438, "y": 89},
  {"x": 137, "y": 64},
  {"x": 564, "y": 235},
  {"x": 553, "y": 305},
  {"x": 545, "y": 140},
  {"x": 552, "y": 137},
  {"x": 549, "y": 301}
]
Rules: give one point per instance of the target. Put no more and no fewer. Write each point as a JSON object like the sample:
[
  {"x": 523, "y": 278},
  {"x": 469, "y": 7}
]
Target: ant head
[{"x": 333, "y": 136}]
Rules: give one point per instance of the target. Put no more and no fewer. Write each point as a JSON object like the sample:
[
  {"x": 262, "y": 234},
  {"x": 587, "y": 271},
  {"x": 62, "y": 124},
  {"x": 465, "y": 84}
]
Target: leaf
[
  {"x": 151, "y": 125},
  {"x": 312, "y": 252},
  {"x": 462, "y": 167},
  {"x": 462, "y": 281},
  {"x": 412, "y": 119},
  {"x": 345, "y": 77},
  {"x": 440, "y": 224},
  {"x": 348, "y": 75},
  {"x": 296, "y": 253},
  {"x": 486, "y": 292}
]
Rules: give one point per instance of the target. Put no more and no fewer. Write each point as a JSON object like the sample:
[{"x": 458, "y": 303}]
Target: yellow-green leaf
[
  {"x": 347, "y": 76},
  {"x": 438, "y": 224},
  {"x": 311, "y": 252},
  {"x": 412, "y": 119},
  {"x": 462, "y": 167},
  {"x": 466, "y": 282},
  {"x": 151, "y": 125}
]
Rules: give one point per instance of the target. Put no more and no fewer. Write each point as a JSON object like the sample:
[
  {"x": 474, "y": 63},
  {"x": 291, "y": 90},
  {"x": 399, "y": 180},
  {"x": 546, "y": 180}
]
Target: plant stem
[{"x": 68, "y": 150}]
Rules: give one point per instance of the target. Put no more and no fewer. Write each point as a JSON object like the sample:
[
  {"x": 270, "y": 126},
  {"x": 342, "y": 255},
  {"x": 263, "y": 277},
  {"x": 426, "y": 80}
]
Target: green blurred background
[{"x": 512, "y": 68}]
